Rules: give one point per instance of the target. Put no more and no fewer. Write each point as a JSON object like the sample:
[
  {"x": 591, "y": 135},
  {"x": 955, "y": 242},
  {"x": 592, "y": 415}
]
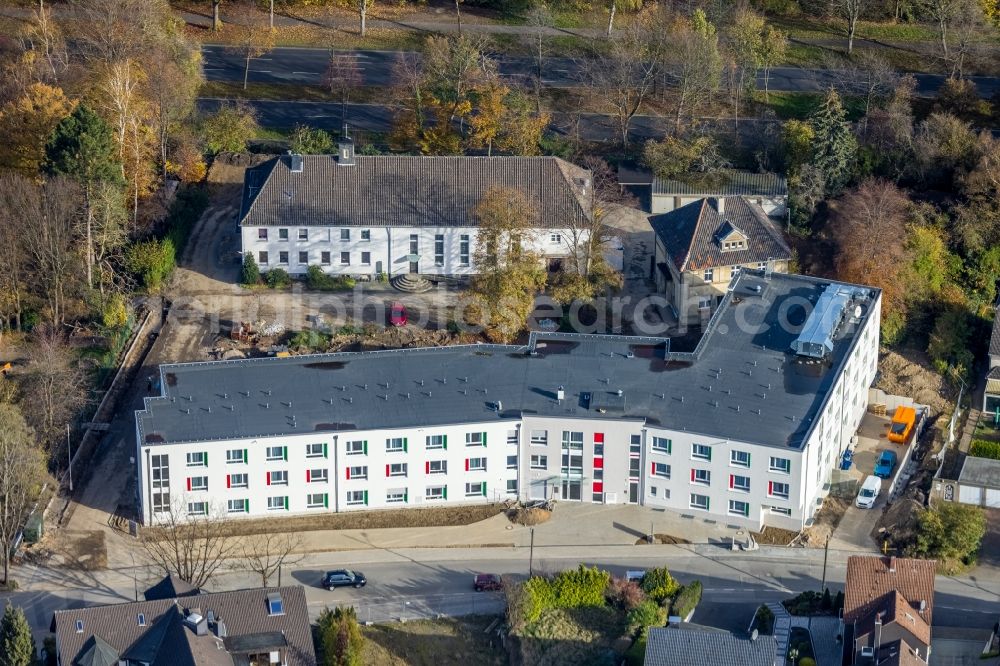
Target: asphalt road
[{"x": 291, "y": 65}]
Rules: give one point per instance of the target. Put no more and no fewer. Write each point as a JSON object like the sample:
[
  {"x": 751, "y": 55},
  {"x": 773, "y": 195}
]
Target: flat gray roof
[
  {"x": 981, "y": 472},
  {"x": 742, "y": 382}
]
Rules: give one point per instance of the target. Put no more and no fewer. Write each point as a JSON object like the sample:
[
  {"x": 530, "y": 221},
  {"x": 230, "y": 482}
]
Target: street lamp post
[{"x": 531, "y": 553}]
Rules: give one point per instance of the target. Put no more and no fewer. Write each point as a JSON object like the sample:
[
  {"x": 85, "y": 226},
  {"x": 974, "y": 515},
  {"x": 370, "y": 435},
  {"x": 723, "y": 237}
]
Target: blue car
[{"x": 885, "y": 464}]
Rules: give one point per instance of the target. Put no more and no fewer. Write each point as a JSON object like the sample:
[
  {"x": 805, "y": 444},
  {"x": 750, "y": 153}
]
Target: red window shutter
[
  {"x": 770, "y": 487},
  {"x": 466, "y": 464},
  {"x": 652, "y": 468},
  {"x": 598, "y": 486},
  {"x": 692, "y": 475},
  {"x": 598, "y": 438},
  {"x": 268, "y": 478},
  {"x": 598, "y": 463},
  {"x": 427, "y": 467},
  {"x": 348, "y": 470},
  {"x": 229, "y": 481},
  {"x": 732, "y": 480},
  {"x": 387, "y": 470},
  {"x": 308, "y": 475},
  {"x": 189, "y": 483}
]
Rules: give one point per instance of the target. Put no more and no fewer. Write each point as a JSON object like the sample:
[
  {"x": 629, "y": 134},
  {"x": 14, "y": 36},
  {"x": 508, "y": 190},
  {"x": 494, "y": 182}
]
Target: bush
[
  {"x": 646, "y": 614},
  {"x": 981, "y": 448},
  {"x": 309, "y": 340},
  {"x": 659, "y": 585},
  {"x": 277, "y": 278},
  {"x": 958, "y": 96},
  {"x": 764, "y": 620},
  {"x": 230, "y": 128},
  {"x": 576, "y": 588},
  {"x": 320, "y": 281},
  {"x": 625, "y": 594},
  {"x": 687, "y": 599},
  {"x": 807, "y": 661},
  {"x": 538, "y": 596},
  {"x": 152, "y": 262},
  {"x": 309, "y": 141},
  {"x": 250, "y": 274},
  {"x": 950, "y": 531}
]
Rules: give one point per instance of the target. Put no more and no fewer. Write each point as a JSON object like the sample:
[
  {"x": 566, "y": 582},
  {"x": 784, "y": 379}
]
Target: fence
[{"x": 387, "y": 609}]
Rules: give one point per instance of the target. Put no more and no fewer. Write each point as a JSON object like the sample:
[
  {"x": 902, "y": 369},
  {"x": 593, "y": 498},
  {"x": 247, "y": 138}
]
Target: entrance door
[
  {"x": 633, "y": 492},
  {"x": 414, "y": 252},
  {"x": 571, "y": 490},
  {"x": 378, "y": 268}
]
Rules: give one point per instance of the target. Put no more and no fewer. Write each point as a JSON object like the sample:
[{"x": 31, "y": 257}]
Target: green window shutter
[
  {"x": 246, "y": 506},
  {"x": 484, "y": 439},
  {"x": 748, "y": 459},
  {"x": 406, "y": 497},
  {"x": 326, "y": 501},
  {"x": 670, "y": 446},
  {"x": 445, "y": 442},
  {"x": 406, "y": 444},
  {"x": 286, "y": 502},
  {"x": 326, "y": 453},
  {"x": 708, "y": 503},
  {"x": 246, "y": 457},
  {"x": 484, "y": 489},
  {"x": 366, "y": 447},
  {"x": 366, "y": 498},
  {"x": 206, "y": 458},
  {"x": 746, "y": 508},
  {"x": 284, "y": 453},
  {"x": 445, "y": 492},
  {"x": 710, "y": 453}
]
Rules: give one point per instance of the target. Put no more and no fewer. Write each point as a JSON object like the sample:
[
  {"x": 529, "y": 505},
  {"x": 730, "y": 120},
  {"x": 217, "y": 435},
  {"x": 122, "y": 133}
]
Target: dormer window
[{"x": 274, "y": 604}]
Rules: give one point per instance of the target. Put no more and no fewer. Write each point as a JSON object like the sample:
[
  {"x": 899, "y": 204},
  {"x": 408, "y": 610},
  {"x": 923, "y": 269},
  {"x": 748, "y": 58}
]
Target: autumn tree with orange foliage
[{"x": 27, "y": 122}]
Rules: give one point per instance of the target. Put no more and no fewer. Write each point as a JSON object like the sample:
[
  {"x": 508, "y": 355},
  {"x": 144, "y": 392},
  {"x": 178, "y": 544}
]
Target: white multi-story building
[
  {"x": 389, "y": 215},
  {"x": 747, "y": 427}
]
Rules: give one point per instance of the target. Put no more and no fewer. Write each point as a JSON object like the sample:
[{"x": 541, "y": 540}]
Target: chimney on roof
[
  {"x": 720, "y": 205},
  {"x": 892, "y": 564},
  {"x": 345, "y": 151},
  {"x": 295, "y": 162}
]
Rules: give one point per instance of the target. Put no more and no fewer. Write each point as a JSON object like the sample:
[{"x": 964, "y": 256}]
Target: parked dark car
[
  {"x": 397, "y": 314},
  {"x": 343, "y": 578},
  {"x": 487, "y": 582}
]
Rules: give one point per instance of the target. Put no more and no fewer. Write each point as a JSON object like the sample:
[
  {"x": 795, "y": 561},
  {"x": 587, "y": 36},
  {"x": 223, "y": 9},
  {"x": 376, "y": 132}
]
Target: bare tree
[
  {"x": 216, "y": 20},
  {"x": 868, "y": 76},
  {"x": 458, "y": 14},
  {"x": 112, "y": 30},
  {"x": 54, "y": 387},
  {"x": 343, "y": 75},
  {"x": 15, "y": 257},
  {"x": 192, "y": 548},
  {"x": 363, "y": 7},
  {"x": 627, "y": 5},
  {"x": 173, "y": 75},
  {"x": 253, "y": 39},
  {"x": 851, "y": 11},
  {"x": 693, "y": 62},
  {"x": 945, "y": 13},
  {"x": 22, "y": 469},
  {"x": 266, "y": 554},
  {"x": 624, "y": 75},
  {"x": 539, "y": 18},
  {"x": 45, "y": 37}
]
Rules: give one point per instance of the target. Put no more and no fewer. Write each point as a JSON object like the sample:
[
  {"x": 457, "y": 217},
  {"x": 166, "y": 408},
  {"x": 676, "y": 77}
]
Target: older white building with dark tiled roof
[
  {"x": 702, "y": 245},
  {"x": 364, "y": 215}
]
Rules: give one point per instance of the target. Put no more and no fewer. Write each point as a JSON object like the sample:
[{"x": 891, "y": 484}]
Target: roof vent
[
  {"x": 720, "y": 205},
  {"x": 295, "y": 162},
  {"x": 753, "y": 635},
  {"x": 923, "y": 605},
  {"x": 345, "y": 152},
  {"x": 560, "y": 394}
]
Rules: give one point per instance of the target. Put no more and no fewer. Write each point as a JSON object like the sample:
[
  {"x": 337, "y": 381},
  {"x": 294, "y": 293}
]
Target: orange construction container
[{"x": 903, "y": 420}]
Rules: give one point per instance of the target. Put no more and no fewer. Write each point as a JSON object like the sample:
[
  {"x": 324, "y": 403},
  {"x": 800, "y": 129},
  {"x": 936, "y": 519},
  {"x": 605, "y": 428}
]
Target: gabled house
[
  {"x": 767, "y": 190},
  {"x": 392, "y": 215},
  {"x": 991, "y": 397},
  {"x": 687, "y": 644},
  {"x": 702, "y": 245},
  {"x": 245, "y": 627},
  {"x": 888, "y": 607}
]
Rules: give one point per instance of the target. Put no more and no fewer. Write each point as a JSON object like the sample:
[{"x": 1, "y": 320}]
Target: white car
[{"x": 869, "y": 492}]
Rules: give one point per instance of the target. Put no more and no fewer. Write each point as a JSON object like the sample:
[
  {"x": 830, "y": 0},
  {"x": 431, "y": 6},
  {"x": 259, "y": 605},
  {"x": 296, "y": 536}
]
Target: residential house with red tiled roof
[
  {"x": 888, "y": 607},
  {"x": 702, "y": 245}
]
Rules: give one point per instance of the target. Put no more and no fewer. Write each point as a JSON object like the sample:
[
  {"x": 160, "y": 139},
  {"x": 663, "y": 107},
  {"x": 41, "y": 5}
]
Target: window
[
  {"x": 738, "y": 508},
  {"x": 436, "y": 441},
  {"x": 475, "y": 464},
  {"x": 319, "y": 475},
  {"x": 366, "y": 234},
  {"x": 783, "y": 465},
  {"x": 356, "y": 497},
  {"x": 539, "y": 437},
  {"x": 317, "y": 450},
  {"x": 282, "y": 234},
  {"x": 572, "y": 440},
  {"x": 709, "y": 274},
  {"x": 762, "y": 265},
  {"x": 316, "y": 500},
  {"x": 661, "y": 470},
  {"x": 414, "y": 244},
  {"x": 633, "y": 467},
  {"x": 395, "y": 445},
  {"x": 276, "y": 453},
  {"x": 701, "y": 476},
  {"x": 160, "y": 471},
  {"x": 303, "y": 258},
  {"x": 555, "y": 238},
  {"x": 303, "y": 234},
  {"x": 704, "y": 302},
  {"x": 477, "y": 488},
  {"x": 357, "y": 447},
  {"x": 739, "y": 458},
  {"x": 777, "y": 489},
  {"x": 279, "y": 478},
  {"x": 698, "y": 502},
  {"x": 395, "y": 469},
  {"x": 512, "y": 437},
  {"x": 539, "y": 462},
  {"x": 345, "y": 234},
  {"x": 161, "y": 502},
  {"x": 345, "y": 258},
  {"x": 475, "y": 439},
  {"x": 357, "y": 472},
  {"x": 435, "y": 493},
  {"x": 511, "y": 486},
  {"x": 196, "y": 483},
  {"x": 437, "y": 467},
  {"x": 274, "y": 604},
  {"x": 780, "y": 510},
  {"x": 237, "y": 506},
  {"x": 237, "y": 480},
  {"x": 395, "y": 496},
  {"x": 662, "y": 445},
  {"x": 598, "y": 474},
  {"x": 463, "y": 250},
  {"x": 141, "y": 619},
  {"x": 741, "y": 483},
  {"x": 652, "y": 491},
  {"x": 635, "y": 444},
  {"x": 701, "y": 452},
  {"x": 283, "y": 257},
  {"x": 262, "y": 234},
  {"x": 439, "y": 249},
  {"x": 598, "y": 449},
  {"x": 324, "y": 258},
  {"x": 262, "y": 257},
  {"x": 197, "y": 508},
  {"x": 277, "y": 502},
  {"x": 366, "y": 258},
  {"x": 197, "y": 459}
]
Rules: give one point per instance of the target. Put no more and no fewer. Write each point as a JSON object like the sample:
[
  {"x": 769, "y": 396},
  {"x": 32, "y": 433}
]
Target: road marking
[{"x": 306, "y": 72}]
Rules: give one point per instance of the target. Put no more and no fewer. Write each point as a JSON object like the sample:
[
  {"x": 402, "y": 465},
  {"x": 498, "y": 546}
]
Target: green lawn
[{"x": 799, "y": 106}]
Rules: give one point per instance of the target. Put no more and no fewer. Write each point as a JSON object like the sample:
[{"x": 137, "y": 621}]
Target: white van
[{"x": 869, "y": 492}]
